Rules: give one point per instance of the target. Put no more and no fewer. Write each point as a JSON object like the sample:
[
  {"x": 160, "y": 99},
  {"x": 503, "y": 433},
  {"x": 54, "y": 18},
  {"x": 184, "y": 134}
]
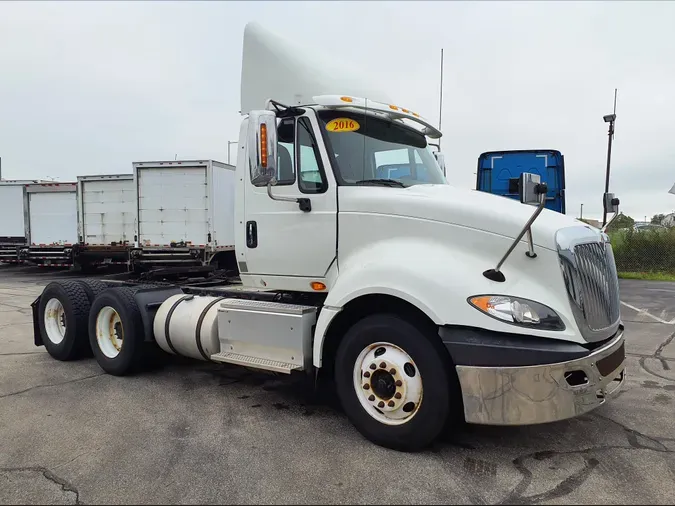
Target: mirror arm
[
  {"x": 530, "y": 244},
  {"x": 304, "y": 203},
  {"x": 616, "y": 215},
  {"x": 495, "y": 274}
]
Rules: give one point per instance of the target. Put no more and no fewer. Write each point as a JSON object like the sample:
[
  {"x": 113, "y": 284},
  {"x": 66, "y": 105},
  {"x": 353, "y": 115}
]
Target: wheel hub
[
  {"x": 109, "y": 332},
  {"x": 383, "y": 384},
  {"x": 387, "y": 383},
  {"x": 55, "y": 321}
]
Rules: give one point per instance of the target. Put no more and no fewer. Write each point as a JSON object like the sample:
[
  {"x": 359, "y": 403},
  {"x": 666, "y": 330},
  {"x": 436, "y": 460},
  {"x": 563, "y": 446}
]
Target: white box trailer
[
  {"x": 106, "y": 214},
  {"x": 52, "y": 224},
  {"x": 14, "y": 224},
  {"x": 184, "y": 212}
]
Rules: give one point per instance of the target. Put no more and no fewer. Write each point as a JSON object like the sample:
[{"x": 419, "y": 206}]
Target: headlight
[{"x": 522, "y": 312}]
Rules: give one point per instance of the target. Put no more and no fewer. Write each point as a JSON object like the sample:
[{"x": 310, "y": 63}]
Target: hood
[{"x": 465, "y": 208}]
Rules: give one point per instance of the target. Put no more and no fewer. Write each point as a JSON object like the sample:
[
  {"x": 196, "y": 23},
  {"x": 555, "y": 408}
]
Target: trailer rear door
[
  {"x": 172, "y": 205},
  {"x": 53, "y": 217},
  {"x": 11, "y": 211},
  {"x": 108, "y": 211}
]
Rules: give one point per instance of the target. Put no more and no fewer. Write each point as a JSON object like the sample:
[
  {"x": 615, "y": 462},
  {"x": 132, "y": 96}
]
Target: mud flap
[{"x": 37, "y": 337}]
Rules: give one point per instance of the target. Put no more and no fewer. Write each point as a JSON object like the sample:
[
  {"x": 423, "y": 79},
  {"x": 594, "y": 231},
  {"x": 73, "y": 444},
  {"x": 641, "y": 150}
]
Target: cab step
[{"x": 255, "y": 362}]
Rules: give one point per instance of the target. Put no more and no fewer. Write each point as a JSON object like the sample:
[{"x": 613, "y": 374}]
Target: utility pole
[
  {"x": 610, "y": 118},
  {"x": 440, "y": 101},
  {"x": 581, "y": 213}
]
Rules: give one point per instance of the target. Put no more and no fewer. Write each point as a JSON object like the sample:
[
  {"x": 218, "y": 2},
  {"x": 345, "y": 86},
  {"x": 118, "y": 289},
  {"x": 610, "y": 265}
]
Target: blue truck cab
[{"x": 499, "y": 171}]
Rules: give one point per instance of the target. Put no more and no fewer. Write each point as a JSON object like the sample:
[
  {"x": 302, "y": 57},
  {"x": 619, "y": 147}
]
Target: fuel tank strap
[
  {"x": 167, "y": 322},
  {"x": 198, "y": 329}
]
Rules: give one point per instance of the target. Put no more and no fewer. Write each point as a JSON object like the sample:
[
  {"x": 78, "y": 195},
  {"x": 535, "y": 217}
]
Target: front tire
[
  {"x": 116, "y": 333},
  {"x": 395, "y": 383}
]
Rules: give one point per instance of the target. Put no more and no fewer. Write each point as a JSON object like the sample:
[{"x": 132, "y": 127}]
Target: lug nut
[
  {"x": 391, "y": 404},
  {"x": 366, "y": 386},
  {"x": 380, "y": 404},
  {"x": 373, "y": 366},
  {"x": 383, "y": 365},
  {"x": 397, "y": 395},
  {"x": 366, "y": 374},
  {"x": 371, "y": 398},
  {"x": 392, "y": 372},
  {"x": 399, "y": 383}
]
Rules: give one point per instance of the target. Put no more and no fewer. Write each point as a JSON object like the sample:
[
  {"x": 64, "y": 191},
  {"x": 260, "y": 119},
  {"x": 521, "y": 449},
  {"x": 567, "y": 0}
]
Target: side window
[
  {"x": 286, "y": 152},
  {"x": 311, "y": 176}
]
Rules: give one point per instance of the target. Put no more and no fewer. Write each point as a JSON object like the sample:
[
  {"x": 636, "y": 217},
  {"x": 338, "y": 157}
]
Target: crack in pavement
[
  {"x": 665, "y": 343},
  {"x": 88, "y": 452},
  {"x": 649, "y": 371},
  {"x": 574, "y": 481},
  {"x": 65, "y": 485},
  {"x": 51, "y": 385}
]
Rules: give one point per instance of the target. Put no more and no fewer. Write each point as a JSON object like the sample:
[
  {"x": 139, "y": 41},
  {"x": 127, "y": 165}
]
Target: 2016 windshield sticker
[{"x": 342, "y": 125}]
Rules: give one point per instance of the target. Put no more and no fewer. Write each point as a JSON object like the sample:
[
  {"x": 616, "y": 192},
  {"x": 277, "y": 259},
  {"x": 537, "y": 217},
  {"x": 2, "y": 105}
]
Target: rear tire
[
  {"x": 62, "y": 319},
  {"x": 93, "y": 287},
  {"x": 116, "y": 333},
  {"x": 395, "y": 383}
]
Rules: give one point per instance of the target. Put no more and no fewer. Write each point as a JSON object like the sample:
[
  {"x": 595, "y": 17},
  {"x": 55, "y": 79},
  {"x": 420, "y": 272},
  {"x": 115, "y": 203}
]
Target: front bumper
[{"x": 532, "y": 394}]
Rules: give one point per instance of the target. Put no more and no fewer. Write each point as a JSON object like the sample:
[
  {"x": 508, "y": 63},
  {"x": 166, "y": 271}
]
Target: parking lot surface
[{"x": 191, "y": 432}]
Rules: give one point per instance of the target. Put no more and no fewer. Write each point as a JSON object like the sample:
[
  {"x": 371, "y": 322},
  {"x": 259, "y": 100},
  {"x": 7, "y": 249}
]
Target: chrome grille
[{"x": 592, "y": 285}]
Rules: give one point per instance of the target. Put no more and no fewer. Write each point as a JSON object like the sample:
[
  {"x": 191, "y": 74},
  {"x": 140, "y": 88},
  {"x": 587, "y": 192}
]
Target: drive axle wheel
[
  {"x": 396, "y": 382},
  {"x": 62, "y": 319},
  {"x": 116, "y": 333},
  {"x": 55, "y": 321},
  {"x": 109, "y": 332}
]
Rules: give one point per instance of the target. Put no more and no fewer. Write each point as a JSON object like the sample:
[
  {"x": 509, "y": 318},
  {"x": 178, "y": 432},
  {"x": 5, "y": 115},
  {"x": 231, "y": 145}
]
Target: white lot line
[{"x": 642, "y": 311}]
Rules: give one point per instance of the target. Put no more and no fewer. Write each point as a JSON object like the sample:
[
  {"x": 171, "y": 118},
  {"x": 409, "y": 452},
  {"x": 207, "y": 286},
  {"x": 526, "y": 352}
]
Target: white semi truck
[{"x": 426, "y": 304}]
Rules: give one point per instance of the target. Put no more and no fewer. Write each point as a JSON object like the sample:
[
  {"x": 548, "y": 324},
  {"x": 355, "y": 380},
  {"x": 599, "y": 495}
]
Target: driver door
[{"x": 281, "y": 239}]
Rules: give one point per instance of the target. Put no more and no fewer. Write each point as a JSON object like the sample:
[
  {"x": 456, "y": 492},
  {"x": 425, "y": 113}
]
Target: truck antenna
[{"x": 440, "y": 102}]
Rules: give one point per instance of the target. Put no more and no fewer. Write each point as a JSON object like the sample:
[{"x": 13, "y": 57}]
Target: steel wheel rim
[
  {"x": 388, "y": 383},
  {"x": 55, "y": 321},
  {"x": 109, "y": 332}
]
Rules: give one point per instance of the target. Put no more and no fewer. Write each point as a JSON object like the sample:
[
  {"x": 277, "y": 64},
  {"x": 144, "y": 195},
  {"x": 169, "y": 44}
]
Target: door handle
[{"x": 251, "y": 234}]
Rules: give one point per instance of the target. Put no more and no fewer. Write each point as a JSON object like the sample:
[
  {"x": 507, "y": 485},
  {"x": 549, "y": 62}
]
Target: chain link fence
[{"x": 644, "y": 250}]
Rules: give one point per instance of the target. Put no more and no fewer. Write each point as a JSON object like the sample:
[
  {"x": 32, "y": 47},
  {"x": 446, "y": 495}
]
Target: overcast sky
[{"x": 90, "y": 87}]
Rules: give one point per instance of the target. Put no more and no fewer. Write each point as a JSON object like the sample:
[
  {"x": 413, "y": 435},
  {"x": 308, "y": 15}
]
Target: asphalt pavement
[{"x": 191, "y": 432}]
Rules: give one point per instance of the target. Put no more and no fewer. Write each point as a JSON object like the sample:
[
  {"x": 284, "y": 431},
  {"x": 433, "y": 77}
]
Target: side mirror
[
  {"x": 262, "y": 146},
  {"x": 440, "y": 159},
  {"x": 611, "y": 203},
  {"x": 531, "y": 188}
]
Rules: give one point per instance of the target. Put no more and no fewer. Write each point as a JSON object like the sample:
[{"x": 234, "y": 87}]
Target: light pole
[
  {"x": 610, "y": 118},
  {"x": 581, "y": 213}
]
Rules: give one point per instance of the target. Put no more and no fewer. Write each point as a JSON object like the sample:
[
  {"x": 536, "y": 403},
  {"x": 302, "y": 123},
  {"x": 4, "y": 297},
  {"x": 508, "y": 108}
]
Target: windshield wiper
[{"x": 383, "y": 182}]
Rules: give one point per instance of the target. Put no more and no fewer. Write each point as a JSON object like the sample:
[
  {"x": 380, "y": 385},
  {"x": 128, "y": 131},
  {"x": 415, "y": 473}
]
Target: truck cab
[{"x": 499, "y": 172}]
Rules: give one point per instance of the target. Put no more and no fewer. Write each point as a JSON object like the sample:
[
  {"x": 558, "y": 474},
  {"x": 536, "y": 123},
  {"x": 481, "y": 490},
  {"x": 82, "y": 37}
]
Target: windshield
[{"x": 369, "y": 150}]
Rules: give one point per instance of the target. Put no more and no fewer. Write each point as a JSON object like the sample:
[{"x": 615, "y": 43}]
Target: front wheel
[{"x": 395, "y": 383}]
